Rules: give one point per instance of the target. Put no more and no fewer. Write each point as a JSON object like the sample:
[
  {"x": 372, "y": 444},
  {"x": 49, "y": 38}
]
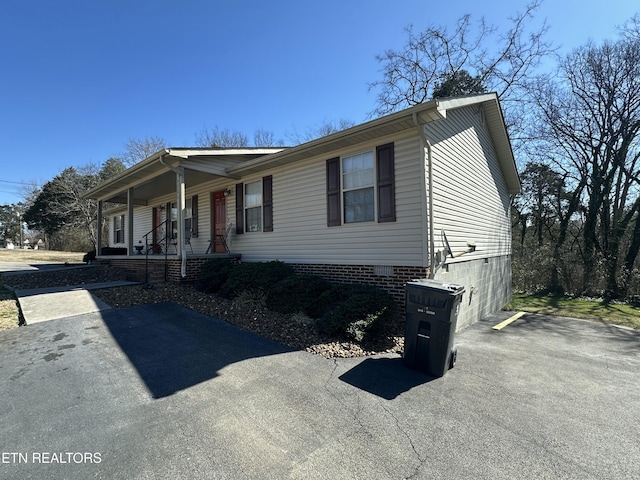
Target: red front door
[{"x": 219, "y": 214}]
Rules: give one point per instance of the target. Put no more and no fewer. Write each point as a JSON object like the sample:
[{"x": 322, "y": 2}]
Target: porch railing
[{"x": 162, "y": 245}]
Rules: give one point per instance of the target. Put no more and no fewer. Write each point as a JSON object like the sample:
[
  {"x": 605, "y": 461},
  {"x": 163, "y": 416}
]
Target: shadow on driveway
[
  {"x": 384, "y": 377},
  {"x": 173, "y": 348}
]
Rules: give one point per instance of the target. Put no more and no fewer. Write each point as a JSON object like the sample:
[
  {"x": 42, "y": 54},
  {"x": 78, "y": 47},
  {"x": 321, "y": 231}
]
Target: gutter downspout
[
  {"x": 180, "y": 201},
  {"x": 424, "y": 143}
]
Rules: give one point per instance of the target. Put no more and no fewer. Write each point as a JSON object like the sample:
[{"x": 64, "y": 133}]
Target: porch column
[
  {"x": 181, "y": 203},
  {"x": 130, "y": 221},
  {"x": 99, "y": 228}
]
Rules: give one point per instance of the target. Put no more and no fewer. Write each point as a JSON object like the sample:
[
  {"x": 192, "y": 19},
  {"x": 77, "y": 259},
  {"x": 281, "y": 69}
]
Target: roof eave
[
  {"x": 154, "y": 165},
  {"x": 502, "y": 144},
  {"x": 393, "y": 123},
  {"x": 100, "y": 190}
]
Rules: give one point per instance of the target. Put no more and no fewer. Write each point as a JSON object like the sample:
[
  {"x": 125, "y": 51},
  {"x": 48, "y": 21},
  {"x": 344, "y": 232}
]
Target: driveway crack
[{"x": 420, "y": 458}]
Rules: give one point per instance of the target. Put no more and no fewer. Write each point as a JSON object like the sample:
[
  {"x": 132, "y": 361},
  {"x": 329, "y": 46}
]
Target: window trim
[
  {"x": 173, "y": 222},
  {"x": 118, "y": 233},
  {"x": 266, "y": 206},
  {"x": 188, "y": 231},
  {"x": 253, "y": 207},
  {"x": 384, "y": 186},
  {"x": 371, "y": 186}
]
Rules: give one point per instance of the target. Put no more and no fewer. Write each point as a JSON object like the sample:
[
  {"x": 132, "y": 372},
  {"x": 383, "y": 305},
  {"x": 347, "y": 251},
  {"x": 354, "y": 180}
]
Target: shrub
[
  {"x": 213, "y": 274},
  {"x": 359, "y": 312},
  {"x": 302, "y": 319},
  {"x": 89, "y": 257},
  {"x": 250, "y": 300},
  {"x": 254, "y": 276},
  {"x": 299, "y": 293}
]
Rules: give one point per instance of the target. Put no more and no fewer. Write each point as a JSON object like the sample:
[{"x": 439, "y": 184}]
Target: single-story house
[{"x": 375, "y": 203}]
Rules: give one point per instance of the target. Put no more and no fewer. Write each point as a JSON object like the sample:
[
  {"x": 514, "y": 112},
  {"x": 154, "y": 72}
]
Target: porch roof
[{"x": 153, "y": 176}]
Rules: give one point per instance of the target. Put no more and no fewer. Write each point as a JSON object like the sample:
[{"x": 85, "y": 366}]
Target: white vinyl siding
[
  {"x": 471, "y": 204},
  {"x": 141, "y": 224},
  {"x": 300, "y": 233},
  {"x": 471, "y": 201}
]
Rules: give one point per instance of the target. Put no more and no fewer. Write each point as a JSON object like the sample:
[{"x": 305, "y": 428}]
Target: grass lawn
[
  {"x": 608, "y": 312},
  {"x": 39, "y": 256},
  {"x": 8, "y": 309},
  {"x": 8, "y": 304}
]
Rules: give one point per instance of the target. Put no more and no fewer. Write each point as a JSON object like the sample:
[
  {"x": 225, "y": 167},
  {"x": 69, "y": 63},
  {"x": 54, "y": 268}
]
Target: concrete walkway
[{"x": 43, "y": 304}]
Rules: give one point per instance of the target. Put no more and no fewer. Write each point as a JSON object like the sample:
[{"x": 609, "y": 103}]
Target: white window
[
  {"x": 357, "y": 188},
  {"x": 174, "y": 220},
  {"x": 188, "y": 217},
  {"x": 118, "y": 229},
  {"x": 253, "y": 206}
]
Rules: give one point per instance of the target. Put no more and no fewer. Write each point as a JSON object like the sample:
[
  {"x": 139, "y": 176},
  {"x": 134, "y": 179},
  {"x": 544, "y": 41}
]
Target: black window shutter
[
  {"x": 334, "y": 217},
  {"x": 115, "y": 229},
  {"x": 239, "y": 208},
  {"x": 267, "y": 204},
  {"x": 194, "y": 216},
  {"x": 386, "y": 183}
]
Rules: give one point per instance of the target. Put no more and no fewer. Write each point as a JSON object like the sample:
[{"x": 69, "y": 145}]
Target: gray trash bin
[{"x": 431, "y": 314}]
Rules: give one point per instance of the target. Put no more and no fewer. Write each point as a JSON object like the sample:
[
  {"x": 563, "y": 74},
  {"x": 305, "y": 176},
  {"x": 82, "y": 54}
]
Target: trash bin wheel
[{"x": 453, "y": 357}]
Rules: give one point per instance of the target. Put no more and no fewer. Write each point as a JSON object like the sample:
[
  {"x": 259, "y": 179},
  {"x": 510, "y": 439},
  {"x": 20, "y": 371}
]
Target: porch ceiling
[{"x": 160, "y": 185}]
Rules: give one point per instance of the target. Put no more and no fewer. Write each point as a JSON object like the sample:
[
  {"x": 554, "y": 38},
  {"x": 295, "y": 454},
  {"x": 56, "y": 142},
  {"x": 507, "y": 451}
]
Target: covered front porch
[{"x": 170, "y": 211}]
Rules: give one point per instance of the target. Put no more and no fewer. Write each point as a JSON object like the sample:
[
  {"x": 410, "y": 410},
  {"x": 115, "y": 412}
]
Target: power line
[
  {"x": 10, "y": 190},
  {"x": 17, "y": 183}
]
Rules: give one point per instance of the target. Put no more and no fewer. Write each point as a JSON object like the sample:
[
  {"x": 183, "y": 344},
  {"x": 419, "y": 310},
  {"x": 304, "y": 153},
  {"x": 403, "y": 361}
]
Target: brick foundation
[
  {"x": 159, "y": 269},
  {"x": 391, "y": 279},
  {"x": 487, "y": 280}
]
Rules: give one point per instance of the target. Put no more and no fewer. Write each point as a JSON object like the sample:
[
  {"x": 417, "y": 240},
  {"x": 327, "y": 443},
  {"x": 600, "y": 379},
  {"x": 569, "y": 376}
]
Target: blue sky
[{"x": 79, "y": 78}]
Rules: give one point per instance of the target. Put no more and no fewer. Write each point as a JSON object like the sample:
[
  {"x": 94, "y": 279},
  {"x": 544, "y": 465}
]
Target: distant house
[{"x": 372, "y": 203}]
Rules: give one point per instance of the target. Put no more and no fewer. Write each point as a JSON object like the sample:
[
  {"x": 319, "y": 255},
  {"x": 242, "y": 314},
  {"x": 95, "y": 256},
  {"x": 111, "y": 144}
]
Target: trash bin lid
[{"x": 439, "y": 285}]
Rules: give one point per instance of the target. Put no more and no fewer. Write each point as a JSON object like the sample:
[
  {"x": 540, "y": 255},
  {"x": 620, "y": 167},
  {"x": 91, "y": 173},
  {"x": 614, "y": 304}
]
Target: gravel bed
[{"x": 292, "y": 330}]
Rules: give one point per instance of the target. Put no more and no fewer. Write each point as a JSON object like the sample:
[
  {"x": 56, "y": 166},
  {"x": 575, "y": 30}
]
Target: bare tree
[
  {"x": 221, "y": 138},
  {"x": 265, "y": 138},
  {"x": 138, "y": 150},
  {"x": 494, "y": 60},
  {"x": 322, "y": 130},
  {"x": 591, "y": 128},
  {"x": 631, "y": 29}
]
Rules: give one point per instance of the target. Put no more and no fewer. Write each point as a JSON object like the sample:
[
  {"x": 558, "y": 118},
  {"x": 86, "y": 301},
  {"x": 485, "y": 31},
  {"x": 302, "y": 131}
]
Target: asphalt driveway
[{"x": 163, "y": 392}]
